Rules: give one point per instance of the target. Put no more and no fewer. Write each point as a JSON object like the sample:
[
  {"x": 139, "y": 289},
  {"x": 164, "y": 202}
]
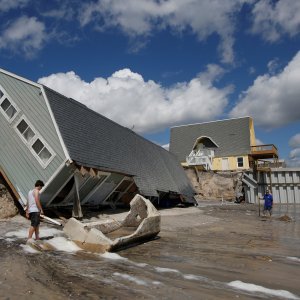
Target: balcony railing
[
  {"x": 264, "y": 151},
  {"x": 201, "y": 157}
]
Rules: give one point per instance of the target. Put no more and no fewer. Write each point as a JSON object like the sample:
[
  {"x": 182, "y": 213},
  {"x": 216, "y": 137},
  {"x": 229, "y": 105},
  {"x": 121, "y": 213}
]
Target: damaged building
[
  {"x": 83, "y": 157},
  {"x": 223, "y": 160}
]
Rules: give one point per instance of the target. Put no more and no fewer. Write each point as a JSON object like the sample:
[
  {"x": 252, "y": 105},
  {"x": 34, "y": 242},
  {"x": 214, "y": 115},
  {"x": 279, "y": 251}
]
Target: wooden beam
[
  {"x": 77, "y": 212},
  {"x": 102, "y": 173},
  {"x": 93, "y": 172},
  {"x": 92, "y": 192},
  {"x": 108, "y": 196},
  {"x": 121, "y": 194},
  {"x": 84, "y": 171}
]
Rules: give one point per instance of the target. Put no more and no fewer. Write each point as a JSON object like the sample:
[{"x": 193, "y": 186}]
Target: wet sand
[{"x": 212, "y": 251}]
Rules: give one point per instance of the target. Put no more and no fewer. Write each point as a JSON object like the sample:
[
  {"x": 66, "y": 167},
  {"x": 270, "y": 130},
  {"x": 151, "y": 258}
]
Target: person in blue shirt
[{"x": 268, "y": 202}]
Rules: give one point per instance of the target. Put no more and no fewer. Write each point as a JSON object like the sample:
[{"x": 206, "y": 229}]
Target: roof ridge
[{"x": 215, "y": 121}]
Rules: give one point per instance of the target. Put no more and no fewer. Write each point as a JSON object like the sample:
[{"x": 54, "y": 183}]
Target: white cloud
[
  {"x": 273, "y": 101},
  {"x": 166, "y": 146},
  {"x": 294, "y": 156},
  {"x": 129, "y": 100},
  {"x": 63, "y": 11},
  {"x": 295, "y": 153},
  {"x": 273, "y": 66},
  {"x": 259, "y": 142},
  {"x": 295, "y": 141},
  {"x": 25, "y": 35},
  {"x": 273, "y": 19},
  {"x": 251, "y": 70},
  {"x": 6, "y": 5},
  {"x": 139, "y": 18}
]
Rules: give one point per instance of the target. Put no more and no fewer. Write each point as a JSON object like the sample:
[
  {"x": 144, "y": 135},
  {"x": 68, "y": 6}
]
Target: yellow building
[{"x": 218, "y": 145}]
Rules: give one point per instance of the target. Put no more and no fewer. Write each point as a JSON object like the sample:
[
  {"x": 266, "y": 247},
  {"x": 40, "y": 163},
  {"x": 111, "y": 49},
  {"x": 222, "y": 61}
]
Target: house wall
[
  {"x": 252, "y": 133},
  {"x": 232, "y": 163},
  {"x": 16, "y": 158},
  {"x": 284, "y": 184},
  {"x": 232, "y": 160}
]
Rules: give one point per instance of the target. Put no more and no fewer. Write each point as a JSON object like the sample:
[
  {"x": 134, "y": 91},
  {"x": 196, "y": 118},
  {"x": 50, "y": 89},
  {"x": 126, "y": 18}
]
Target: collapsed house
[{"x": 83, "y": 157}]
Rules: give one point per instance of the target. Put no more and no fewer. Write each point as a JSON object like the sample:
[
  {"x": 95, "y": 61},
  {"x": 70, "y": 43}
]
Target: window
[
  {"x": 240, "y": 162},
  {"x": 25, "y": 130},
  {"x": 37, "y": 146},
  {"x": 8, "y": 108},
  {"x": 41, "y": 151}
]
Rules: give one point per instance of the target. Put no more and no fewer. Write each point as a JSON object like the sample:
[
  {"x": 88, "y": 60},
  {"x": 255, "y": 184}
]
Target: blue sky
[{"x": 153, "y": 64}]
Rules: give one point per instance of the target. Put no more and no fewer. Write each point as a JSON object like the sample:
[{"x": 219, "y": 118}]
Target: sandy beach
[{"x": 213, "y": 251}]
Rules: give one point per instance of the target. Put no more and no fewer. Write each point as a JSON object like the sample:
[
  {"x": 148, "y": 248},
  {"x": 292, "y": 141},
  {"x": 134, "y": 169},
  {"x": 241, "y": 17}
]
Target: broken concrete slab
[{"x": 141, "y": 223}]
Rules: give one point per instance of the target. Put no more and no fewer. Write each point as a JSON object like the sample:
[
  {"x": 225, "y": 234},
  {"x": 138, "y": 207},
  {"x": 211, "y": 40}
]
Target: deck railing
[
  {"x": 268, "y": 151},
  {"x": 267, "y": 147},
  {"x": 201, "y": 157}
]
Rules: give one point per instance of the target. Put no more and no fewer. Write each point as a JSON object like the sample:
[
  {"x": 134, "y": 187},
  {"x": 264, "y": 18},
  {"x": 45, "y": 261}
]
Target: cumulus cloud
[
  {"x": 60, "y": 9},
  {"x": 259, "y": 142},
  {"x": 273, "y": 19},
  {"x": 295, "y": 141},
  {"x": 294, "y": 156},
  {"x": 295, "y": 153},
  {"x": 273, "y": 101},
  {"x": 166, "y": 146},
  {"x": 139, "y": 18},
  {"x": 25, "y": 35},
  {"x": 273, "y": 66},
  {"x": 6, "y": 5},
  {"x": 128, "y": 99}
]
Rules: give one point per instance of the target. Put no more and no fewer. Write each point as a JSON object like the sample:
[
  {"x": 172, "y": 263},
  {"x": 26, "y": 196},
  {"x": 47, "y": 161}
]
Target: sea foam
[
  {"x": 29, "y": 249},
  {"x": 166, "y": 270},
  {"x": 250, "y": 287},
  {"x": 131, "y": 278},
  {"x": 23, "y": 233},
  {"x": 113, "y": 256},
  {"x": 62, "y": 244},
  {"x": 297, "y": 259}
]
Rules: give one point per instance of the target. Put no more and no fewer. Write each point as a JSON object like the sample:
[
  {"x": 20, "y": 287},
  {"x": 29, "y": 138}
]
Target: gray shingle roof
[
  {"x": 95, "y": 141},
  {"x": 232, "y": 136}
]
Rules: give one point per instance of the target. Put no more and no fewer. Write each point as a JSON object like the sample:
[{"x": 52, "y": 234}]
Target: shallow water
[{"x": 211, "y": 252}]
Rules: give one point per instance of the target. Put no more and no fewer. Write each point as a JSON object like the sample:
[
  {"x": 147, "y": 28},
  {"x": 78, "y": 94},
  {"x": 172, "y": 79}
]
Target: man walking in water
[
  {"x": 268, "y": 202},
  {"x": 34, "y": 209}
]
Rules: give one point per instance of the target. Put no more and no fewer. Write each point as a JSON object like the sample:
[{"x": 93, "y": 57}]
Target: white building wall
[{"x": 283, "y": 182}]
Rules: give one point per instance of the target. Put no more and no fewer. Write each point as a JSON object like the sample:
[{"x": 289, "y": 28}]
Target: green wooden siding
[{"x": 16, "y": 159}]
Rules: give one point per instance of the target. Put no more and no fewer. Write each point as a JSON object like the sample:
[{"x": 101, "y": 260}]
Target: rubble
[
  {"x": 214, "y": 185},
  {"x": 7, "y": 205},
  {"x": 285, "y": 218},
  {"x": 141, "y": 223}
]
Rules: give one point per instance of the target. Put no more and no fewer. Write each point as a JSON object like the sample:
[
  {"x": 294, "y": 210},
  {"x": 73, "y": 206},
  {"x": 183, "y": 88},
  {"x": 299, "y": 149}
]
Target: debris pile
[
  {"x": 7, "y": 205},
  {"x": 213, "y": 185},
  {"x": 285, "y": 218}
]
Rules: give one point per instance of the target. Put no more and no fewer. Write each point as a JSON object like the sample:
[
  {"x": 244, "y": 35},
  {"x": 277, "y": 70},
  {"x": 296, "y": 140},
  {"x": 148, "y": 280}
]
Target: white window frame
[
  {"x": 12, "y": 103},
  {"x": 237, "y": 162},
  {"x": 33, "y": 140}
]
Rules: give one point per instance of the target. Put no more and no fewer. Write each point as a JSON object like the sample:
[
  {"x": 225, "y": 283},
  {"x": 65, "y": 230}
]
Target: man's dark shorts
[
  {"x": 268, "y": 207},
  {"x": 35, "y": 219}
]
